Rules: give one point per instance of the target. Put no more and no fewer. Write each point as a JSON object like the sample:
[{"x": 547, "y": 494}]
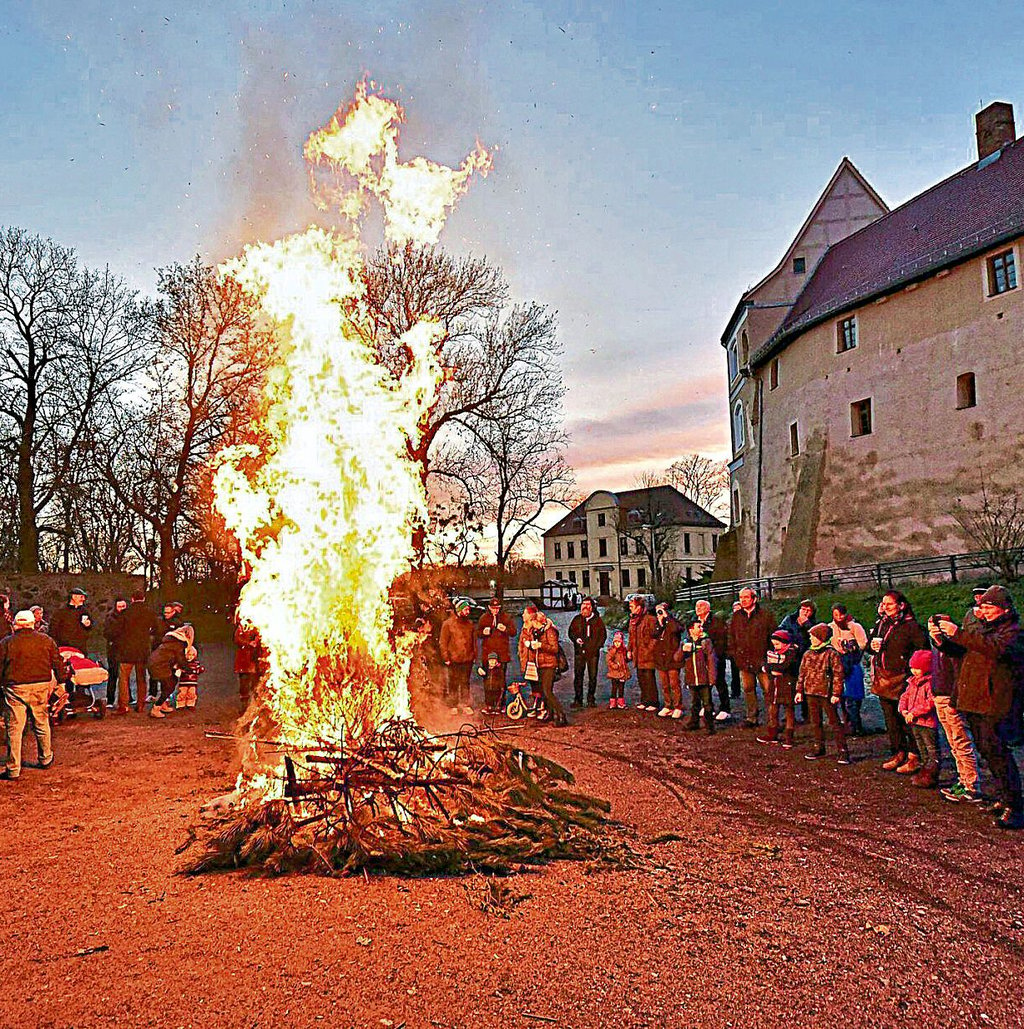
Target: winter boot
[
  {"x": 927, "y": 777},
  {"x": 894, "y": 762},
  {"x": 911, "y": 765}
]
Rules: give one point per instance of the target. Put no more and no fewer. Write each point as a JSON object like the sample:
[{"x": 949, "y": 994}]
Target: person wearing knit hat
[
  {"x": 989, "y": 692},
  {"x": 31, "y": 663},
  {"x": 781, "y": 663},
  {"x": 917, "y": 706},
  {"x": 458, "y": 651},
  {"x": 821, "y": 682}
]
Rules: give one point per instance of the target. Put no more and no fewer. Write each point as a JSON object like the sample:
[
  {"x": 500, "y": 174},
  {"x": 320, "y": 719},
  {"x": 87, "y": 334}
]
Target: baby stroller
[{"x": 83, "y": 690}]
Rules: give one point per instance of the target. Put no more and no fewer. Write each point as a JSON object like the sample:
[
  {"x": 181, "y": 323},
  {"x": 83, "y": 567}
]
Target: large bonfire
[{"x": 324, "y": 503}]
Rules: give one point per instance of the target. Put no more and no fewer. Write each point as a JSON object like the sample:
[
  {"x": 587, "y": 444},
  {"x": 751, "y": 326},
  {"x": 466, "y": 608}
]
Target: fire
[{"x": 325, "y": 507}]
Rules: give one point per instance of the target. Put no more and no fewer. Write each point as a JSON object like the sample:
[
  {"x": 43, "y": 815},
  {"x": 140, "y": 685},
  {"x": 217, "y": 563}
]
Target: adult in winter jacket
[
  {"x": 821, "y": 682},
  {"x": 894, "y": 639},
  {"x": 750, "y": 633},
  {"x": 111, "y": 632},
  {"x": 134, "y": 645},
  {"x": 641, "y": 652},
  {"x": 989, "y": 678},
  {"x": 717, "y": 630},
  {"x": 29, "y": 666},
  {"x": 72, "y": 624},
  {"x": 458, "y": 651},
  {"x": 798, "y": 624},
  {"x": 496, "y": 630},
  {"x": 588, "y": 636},
  {"x": 166, "y": 663},
  {"x": 668, "y": 661},
  {"x": 538, "y": 657}
]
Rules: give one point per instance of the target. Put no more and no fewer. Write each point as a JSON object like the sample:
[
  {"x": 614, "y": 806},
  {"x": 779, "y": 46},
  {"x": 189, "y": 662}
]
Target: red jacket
[
  {"x": 919, "y": 702},
  {"x": 618, "y": 662},
  {"x": 494, "y": 640},
  {"x": 641, "y": 640}
]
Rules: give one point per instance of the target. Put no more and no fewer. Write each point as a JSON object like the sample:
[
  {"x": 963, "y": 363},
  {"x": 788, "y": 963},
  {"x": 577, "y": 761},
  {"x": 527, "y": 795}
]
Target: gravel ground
[{"x": 782, "y": 893}]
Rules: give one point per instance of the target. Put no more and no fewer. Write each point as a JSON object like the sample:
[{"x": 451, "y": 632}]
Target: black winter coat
[
  {"x": 591, "y": 631},
  {"x": 138, "y": 628}
]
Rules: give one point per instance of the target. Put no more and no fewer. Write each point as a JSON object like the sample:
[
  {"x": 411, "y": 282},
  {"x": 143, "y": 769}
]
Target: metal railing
[{"x": 883, "y": 575}]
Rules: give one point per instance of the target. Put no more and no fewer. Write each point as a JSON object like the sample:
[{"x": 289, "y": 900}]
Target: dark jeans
[
  {"x": 851, "y": 708},
  {"x": 927, "y": 740},
  {"x": 113, "y": 673},
  {"x": 991, "y": 738},
  {"x": 579, "y": 663},
  {"x": 724, "y": 703},
  {"x": 900, "y": 740},
  {"x": 700, "y": 697},
  {"x": 494, "y": 686},
  {"x": 618, "y": 687},
  {"x": 458, "y": 683},
  {"x": 648, "y": 686},
  {"x": 734, "y": 679},
  {"x": 166, "y": 688},
  {"x": 551, "y": 702},
  {"x": 789, "y": 714},
  {"x": 818, "y": 708}
]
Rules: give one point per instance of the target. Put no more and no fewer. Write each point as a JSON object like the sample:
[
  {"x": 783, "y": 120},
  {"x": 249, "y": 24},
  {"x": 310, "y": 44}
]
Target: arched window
[{"x": 739, "y": 434}]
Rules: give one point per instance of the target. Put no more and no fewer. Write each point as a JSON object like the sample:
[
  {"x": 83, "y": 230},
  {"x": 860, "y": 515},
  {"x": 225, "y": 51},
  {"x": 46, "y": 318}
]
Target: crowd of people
[
  {"x": 965, "y": 678},
  {"x": 151, "y": 660}
]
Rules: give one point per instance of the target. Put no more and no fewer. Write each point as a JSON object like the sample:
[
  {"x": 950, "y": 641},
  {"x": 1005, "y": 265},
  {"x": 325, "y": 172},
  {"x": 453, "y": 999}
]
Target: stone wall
[{"x": 51, "y": 590}]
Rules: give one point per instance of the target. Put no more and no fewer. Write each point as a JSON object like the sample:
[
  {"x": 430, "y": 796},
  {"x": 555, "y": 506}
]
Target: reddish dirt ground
[{"x": 796, "y": 894}]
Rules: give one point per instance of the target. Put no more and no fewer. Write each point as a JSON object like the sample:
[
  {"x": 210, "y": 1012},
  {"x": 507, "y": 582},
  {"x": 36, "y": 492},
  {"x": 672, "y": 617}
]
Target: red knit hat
[{"x": 921, "y": 660}]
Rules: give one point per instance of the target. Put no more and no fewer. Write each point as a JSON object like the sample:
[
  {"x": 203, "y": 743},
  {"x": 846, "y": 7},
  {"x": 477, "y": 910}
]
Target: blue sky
[{"x": 653, "y": 161}]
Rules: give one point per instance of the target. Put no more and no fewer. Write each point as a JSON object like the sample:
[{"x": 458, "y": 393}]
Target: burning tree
[{"x": 324, "y": 503}]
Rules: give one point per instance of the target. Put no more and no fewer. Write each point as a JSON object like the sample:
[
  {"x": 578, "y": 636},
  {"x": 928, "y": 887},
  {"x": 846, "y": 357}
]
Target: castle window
[
  {"x": 739, "y": 435},
  {"x": 846, "y": 335},
  {"x": 558, "y": 551},
  {"x": 966, "y": 391},
  {"x": 799, "y": 265},
  {"x": 860, "y": 418},
  {"x": 773, "y": 374},
  {"x": 794, "y": 439},
  {"x": 1002, "y": 273}
]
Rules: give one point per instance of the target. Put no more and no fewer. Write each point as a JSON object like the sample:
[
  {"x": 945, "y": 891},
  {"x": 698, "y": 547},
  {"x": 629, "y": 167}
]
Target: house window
[
  {"x": 570, "y": 549},
  {"x": 714, "y": 538},
  {"x": 625, "y": 578},
  {"x": 1002, "y": 273},
  {"x": 687, "y": 544},
  {"x": 739, "y": 435},
  {"x": 623, "y": 545},
  {"x": 860, "y": 418},
  {"x": 799, "y": 265},
  {"x": 846, "y": 335},
  {"x": 586, "y": 578},
  {"x": 794, "y": 439},
  {"x": 558, "y": 576},
  {"x": 602, "y": 547},
  {"x": 584, "y": 549},
  {"x": 558, "y": 551},
  {"x": 773, "y": 374},
  {"x": 734, "y": 368},
  {"x": 966, "y": 391},
  {"x": 578, "y": 522},
  {"x": 572, "y": 576},
  {"x": 641, "y": 577},
  {"x": 600, "y": 519}
]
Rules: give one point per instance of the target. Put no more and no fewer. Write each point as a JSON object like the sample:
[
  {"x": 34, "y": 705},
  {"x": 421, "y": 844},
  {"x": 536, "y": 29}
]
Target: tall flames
[{"x": 325, "y": 506}]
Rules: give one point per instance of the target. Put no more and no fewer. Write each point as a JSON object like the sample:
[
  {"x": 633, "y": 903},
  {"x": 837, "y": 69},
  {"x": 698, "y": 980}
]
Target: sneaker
[
  {"x": 955, "y": 793},
  {"x": 787, "y": 744},
  {"x": 768, "y": 741},
  {"x": 843, "y": 759},
  {"x": 814, "y": 755},
  {"x": 1010, "y": 820},
  {"x": 723, "y": 716},
  {"x": 6, "y": 776},
  {"x": 663, "y": 713},
  {"x": 677, "y": 712}
]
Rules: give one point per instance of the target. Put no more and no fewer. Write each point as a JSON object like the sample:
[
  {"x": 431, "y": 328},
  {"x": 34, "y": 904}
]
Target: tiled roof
[
  {"x": 664, "y": 502},
  {"x": 972, "y": 211}
]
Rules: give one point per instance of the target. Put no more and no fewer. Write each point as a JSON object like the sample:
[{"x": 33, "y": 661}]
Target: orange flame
[{"x": 325, "y": 511}]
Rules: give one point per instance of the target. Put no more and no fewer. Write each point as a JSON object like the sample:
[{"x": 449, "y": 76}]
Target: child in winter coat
[
  {"x": 188, "y": 681},
  {"x": 494, "y": 684},
  {"x": 782, "y": 665},
  {"x": 699, "y": 672},
  {"x": 917, "y": 705},
  {"x": 821, "y": 681},
  {"x": 617, "y": 658}
]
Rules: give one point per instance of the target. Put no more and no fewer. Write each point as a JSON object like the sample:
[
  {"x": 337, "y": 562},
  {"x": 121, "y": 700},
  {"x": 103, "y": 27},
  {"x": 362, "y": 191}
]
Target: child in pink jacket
[{"x": 917, "y": 706}]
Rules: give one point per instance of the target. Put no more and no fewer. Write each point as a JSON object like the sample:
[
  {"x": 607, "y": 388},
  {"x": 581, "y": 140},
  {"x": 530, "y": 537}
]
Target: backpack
[{"x": 563, "y": 663}]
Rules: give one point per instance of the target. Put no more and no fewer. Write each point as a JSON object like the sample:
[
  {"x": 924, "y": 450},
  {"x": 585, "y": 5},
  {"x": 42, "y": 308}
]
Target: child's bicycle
[{"x": 518, "y": 699}]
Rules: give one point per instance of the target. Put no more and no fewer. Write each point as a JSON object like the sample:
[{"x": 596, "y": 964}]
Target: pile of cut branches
[{"x": 408, "y": 803}]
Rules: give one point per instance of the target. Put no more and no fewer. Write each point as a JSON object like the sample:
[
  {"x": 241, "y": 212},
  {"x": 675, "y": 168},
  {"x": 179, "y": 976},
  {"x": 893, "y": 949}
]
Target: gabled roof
[
  {"x": 665, "y": 502},
  {"x": 966, "y": 214},
  {"x": 844, "y": 165}
]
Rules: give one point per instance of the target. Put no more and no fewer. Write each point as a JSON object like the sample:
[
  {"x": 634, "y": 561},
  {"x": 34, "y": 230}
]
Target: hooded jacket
[
  {"x": 698, "y": 662},
  {"x": 618, "y": 662},
  {"x": 989, "y": 673}
]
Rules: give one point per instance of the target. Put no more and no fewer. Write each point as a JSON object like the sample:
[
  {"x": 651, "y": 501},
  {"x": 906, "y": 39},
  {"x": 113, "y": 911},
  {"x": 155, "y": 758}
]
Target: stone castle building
[
  {"x": 874, "y": 374},
  {"x": 614, "y": 544}
]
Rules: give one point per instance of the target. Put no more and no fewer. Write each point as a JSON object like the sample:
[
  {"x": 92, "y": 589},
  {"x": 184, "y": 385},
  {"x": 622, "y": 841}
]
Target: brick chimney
[{"x": 995, "y": 128}]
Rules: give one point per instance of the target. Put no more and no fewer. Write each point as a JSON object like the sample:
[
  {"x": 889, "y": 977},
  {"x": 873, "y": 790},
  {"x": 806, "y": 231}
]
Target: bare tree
[
  {"x": 704, "y": 481},
  {"x": 68, "y": 337},
  {"x": 650, "y": 524},
  {"x": 995, "y": 523},
  {"x": 156, "y": 446}
]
